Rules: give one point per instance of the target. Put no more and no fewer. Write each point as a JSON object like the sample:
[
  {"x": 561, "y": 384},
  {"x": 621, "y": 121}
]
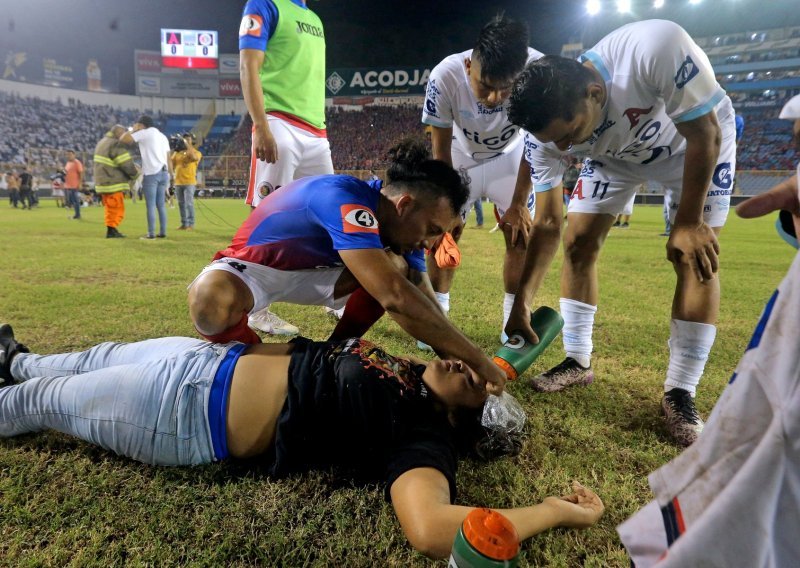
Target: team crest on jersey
[
  {"x": 633, "y": 114},
  {"x": 686, "y": 73},
  {"x": 723, "y": 176},
  {"x": 357, "y": 218},
  {"x": 251, "y": 25}
]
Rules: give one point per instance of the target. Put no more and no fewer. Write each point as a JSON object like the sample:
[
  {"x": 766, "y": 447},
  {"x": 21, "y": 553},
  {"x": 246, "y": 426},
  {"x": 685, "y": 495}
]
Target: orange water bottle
[{"x": 486, "y": 539}]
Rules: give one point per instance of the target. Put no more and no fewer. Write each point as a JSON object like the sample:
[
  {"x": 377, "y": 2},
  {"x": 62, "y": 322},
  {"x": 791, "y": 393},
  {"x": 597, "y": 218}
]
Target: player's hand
[
  {"x": 265, "y": 145},
  {"x": 783, "y": 196},
  {"x": 697, "y": 246},
  {"x": 519, "y": 321},
  {"x": 580, "y": 509},
  {"x": 490, "y": 375},
  {"x": 518, "y": 221}
]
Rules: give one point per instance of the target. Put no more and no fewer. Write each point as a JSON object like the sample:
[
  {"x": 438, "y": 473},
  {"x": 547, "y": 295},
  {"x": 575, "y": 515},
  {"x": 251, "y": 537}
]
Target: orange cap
[
  {"x": 511, "y": 372},
  {"x": 491, "y": 534}
]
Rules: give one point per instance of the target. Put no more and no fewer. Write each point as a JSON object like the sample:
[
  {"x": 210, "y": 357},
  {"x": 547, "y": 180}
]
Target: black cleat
[
  {"x": 8, "y": 348},
  {"x": 683, "y": 421}
]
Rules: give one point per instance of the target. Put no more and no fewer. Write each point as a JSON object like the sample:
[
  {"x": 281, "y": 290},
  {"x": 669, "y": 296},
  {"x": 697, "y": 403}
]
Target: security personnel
[{"x": 113, "y": 169}]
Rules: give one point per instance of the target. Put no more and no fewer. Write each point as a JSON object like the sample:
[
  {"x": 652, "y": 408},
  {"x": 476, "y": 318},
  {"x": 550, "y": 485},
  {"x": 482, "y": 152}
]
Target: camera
[{"x": 177, "y": 143}]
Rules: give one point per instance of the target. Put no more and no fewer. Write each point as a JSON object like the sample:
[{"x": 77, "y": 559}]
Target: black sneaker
[
  {"x": 683, "y": 421},
  {"x": 8, "y": 348},
  {"x": 566, "y": 374}
]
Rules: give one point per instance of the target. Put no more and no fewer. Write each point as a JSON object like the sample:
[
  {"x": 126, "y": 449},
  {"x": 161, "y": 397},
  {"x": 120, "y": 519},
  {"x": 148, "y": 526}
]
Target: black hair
[
  {"x": 548, "y": 89},
  {"x": 502, "y": 48},
  {"x": 475, "y": 441},
  {"x": 412, "y": 169}
]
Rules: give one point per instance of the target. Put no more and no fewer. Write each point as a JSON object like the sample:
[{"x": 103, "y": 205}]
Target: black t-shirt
[
  {"x": 350, "y": 404},
  {"x": 25, "y": 180}
]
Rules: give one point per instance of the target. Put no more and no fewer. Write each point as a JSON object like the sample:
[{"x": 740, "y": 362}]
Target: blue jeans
[
  {"x": 155, "y": 191},
  {"x": 74, "y": 200},
  {"x": 145, "y": 400},
  {"x": 478, "y": 212},
  {"x": 185, "y": 194}
]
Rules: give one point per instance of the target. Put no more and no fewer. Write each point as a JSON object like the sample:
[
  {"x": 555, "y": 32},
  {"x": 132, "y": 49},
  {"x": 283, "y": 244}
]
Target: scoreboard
[{"x": 189, "y": 49}]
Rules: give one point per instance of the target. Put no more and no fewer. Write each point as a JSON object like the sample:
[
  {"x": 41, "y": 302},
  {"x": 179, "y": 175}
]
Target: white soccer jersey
[
  {"x": 655, "y": 76},
  {"x": 479, "y": 132}
]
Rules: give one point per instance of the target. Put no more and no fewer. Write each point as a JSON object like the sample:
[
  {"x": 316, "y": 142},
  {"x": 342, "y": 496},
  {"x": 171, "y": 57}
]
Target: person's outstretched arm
[{"x": 421, "y": 499}]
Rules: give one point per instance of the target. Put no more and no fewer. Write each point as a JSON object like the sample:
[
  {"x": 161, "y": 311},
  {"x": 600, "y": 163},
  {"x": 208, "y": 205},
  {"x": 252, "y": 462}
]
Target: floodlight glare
[
  {"x": 623, "y": 6},
  {"x": 593, "y": 7},
  {"x": 658, "y": 4},
  {"x": 695, "y": 1}
]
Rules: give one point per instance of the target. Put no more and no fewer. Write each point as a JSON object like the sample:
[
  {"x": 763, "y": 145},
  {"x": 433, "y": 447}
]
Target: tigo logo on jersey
[
  {"x": 686, "y": 73},
  {"x": 358, "y": 219},
  {"x": 251, "y": 25}
]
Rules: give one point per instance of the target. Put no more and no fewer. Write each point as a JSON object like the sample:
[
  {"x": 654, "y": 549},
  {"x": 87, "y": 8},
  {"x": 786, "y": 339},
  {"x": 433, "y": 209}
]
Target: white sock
[
  {"x": 444, "y": 300},
  {"x": 577, "y": 334},
  {"x": 508, "y": 303},
  {"x": 339, "y": 313},
  {"x": 689, "y": 345}
]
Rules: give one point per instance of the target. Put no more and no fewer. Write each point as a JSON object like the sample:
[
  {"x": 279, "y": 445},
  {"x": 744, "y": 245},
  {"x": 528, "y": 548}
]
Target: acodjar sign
[{"x": 377, "y": 82}]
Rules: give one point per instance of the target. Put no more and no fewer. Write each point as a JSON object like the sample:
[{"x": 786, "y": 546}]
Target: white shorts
[
  {"x": 606, "y": 186},
  {"x": 493, "y": 179},
  {"x": 628, "y": 209},
  {"x": 300, "y": 154},
  {"x": 312, "y": 287},
  {"x": 58, "y": 193}
]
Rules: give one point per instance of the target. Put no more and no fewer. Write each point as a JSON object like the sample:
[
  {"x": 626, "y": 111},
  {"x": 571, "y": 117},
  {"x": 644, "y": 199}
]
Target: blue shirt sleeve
[
  {"x": 259, "y": 20},
  {"x": 416, "y": 260},
  {"x": 345, "y": 208}
]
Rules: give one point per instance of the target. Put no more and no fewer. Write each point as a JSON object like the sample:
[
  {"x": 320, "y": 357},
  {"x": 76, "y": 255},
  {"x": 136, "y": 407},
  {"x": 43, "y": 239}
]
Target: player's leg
[
  {"x": 695, "y": 306},
  {"x": 264, "y": 179},
  {"x": 442, "y": 277},
  {"x": 600, "y": 194},
  {"x": 501, "y": 178},
  {"x": 220, "y": 299}
]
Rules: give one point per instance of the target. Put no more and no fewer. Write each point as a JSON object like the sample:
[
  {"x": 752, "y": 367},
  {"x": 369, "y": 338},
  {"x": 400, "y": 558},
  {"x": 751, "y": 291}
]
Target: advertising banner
[
  {"x": 230, "y": 88},
  {"x": 84, "y": 75},
  {"x": 376, "y": 82},
  {"x": 154, "y": 79},
  {"x": 229, "y": 64}
]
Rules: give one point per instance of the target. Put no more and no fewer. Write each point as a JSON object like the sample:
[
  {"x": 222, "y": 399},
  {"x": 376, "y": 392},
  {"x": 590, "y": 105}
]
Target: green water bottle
[
  {"x": 517, "y": 354},
  {"x": 486, "y": 539}
]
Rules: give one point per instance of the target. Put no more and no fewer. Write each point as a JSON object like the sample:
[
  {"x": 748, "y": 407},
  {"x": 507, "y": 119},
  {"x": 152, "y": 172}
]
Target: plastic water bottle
[
  {"x": 517, "y": 354},
  {"x": 486, "y": 539}
]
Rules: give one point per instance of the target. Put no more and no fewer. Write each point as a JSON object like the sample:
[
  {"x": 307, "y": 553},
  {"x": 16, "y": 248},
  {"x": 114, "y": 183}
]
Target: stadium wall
[{"x": 166, "y": 105}]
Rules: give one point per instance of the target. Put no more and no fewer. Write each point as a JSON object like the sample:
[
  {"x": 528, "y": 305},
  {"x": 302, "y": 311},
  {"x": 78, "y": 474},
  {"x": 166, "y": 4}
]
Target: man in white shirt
[
  {"x": 156, "y": 169},
  {"x": 465, "y": 108},
  {"x": 643, "y": 105}
]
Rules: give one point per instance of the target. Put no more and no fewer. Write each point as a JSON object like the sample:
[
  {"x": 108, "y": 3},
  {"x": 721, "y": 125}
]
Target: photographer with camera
[
  {"x": 157, "y": 170},
  {"x": 185, "y": 159}
]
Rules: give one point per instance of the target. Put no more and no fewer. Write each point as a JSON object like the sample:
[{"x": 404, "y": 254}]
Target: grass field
[{"x": 62, "y": 502}]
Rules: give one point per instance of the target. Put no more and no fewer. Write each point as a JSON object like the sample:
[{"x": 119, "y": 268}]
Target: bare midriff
[{"x": 257, "y": 394}]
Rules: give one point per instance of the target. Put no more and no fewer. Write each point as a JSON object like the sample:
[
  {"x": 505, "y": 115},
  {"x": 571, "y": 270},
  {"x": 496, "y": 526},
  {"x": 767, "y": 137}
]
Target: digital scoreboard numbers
[{"x": 189, "y": 49}]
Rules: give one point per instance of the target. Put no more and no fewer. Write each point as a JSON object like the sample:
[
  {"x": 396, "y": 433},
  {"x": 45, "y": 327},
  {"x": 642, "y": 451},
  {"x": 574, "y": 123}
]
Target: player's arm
[
  {"x": 691, "y": 240},
  {"x": 250, "y": 61},
  {"x": 441, "y": 144},
  {"x": 518, "y": 218},
  {"x": 421, "y": 500},
  {"x": 413, "y": 311}
]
